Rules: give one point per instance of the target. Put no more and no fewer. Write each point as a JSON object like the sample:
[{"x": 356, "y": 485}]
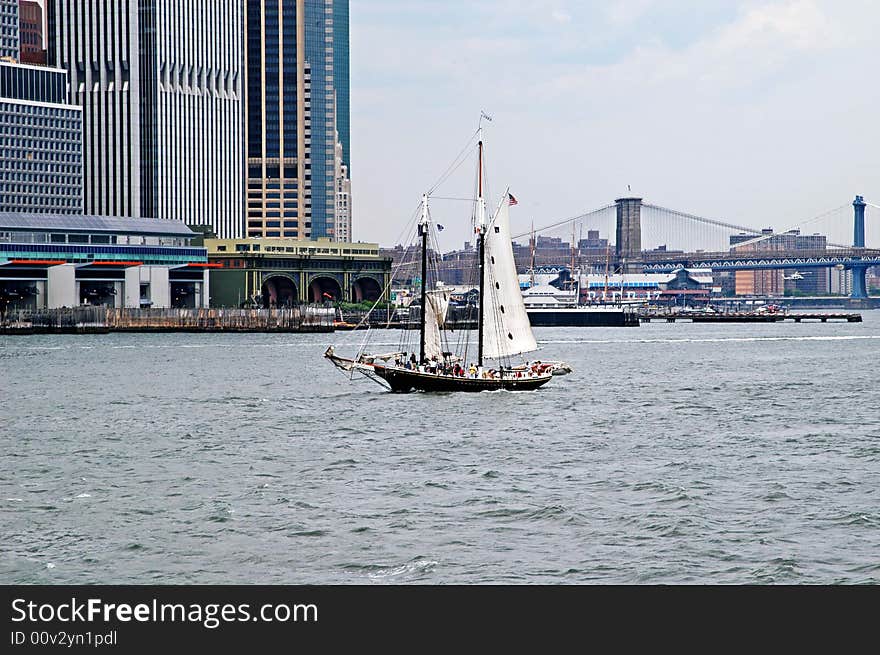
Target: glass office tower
[{"x": 293, "y": 56}]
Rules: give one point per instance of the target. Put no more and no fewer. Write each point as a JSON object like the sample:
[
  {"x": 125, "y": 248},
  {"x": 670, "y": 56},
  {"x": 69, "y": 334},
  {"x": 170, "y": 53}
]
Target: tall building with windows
[
  {"x": 30, "y": 21},
  {"x": 297, "y": 99},
  {"x": 343, "y": 198},
  {"x": 160, "y": 84},
  {"x": 9, "y": 35},
  {"x": 40, "y": 140},
  {"x": 778, "y": 281}
]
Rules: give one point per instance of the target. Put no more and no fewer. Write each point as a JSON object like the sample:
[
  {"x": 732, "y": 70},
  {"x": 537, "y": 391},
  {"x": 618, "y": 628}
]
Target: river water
[{"x": 675, "y": 453}]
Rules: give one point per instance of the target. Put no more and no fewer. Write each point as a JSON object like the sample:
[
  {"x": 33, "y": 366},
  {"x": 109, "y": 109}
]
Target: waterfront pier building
[
  {"x": 49, "y": 261},
  {"x": 284, "y": 272}
]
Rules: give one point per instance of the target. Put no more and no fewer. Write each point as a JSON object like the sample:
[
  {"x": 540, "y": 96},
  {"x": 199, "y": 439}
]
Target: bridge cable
[
  {"x": 702, "y": 219},
  {"x": 763, "y": 237},
  {"x": 565, "y": 222}
]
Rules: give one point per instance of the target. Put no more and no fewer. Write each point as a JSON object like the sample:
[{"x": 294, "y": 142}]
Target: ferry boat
[{"x": 548, "y": 306}]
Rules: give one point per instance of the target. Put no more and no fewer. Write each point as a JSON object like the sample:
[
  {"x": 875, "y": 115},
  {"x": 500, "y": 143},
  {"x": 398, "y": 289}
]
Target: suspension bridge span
[{"x": 648, "y": 238}]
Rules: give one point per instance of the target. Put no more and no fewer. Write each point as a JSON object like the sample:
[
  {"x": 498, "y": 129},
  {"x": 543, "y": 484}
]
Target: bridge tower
[
  {"x": 859, "y": 287},
  {"x": 859, "y": 225},
  {"x": 628, "y": 246}
]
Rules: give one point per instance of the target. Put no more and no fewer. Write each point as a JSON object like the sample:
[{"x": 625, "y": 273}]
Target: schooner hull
[{"x": 404, "y": 381}]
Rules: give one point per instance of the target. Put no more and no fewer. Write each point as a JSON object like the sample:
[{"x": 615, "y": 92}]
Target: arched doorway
[
  {"x": 325, "y": 289},
  {"x": 279, "y": 291},
  {"x": 366, "y": 289}
]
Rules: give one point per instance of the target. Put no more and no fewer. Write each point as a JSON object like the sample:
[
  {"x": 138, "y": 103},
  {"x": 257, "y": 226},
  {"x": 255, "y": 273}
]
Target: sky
[{"x": 754, "y": 112}]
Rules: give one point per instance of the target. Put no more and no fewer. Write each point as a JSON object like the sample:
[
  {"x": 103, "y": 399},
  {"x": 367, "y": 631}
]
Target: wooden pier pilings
[
  {"x": 749, "y": 317},
  {"x": 91, "y": 320}
]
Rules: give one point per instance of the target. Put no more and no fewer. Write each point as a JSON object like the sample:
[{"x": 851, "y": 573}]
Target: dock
[
  {"x": 751, "y": 317},
  {"x": 103, "y": 320}
]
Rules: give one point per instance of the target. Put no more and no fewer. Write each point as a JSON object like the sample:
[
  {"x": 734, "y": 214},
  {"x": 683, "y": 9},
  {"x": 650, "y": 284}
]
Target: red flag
[{"x": 510, "y": 199}]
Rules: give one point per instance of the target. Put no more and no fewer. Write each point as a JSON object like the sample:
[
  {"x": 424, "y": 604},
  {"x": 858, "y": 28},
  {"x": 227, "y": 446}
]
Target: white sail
[
  {"x": 506, "y": 327},
  {"x": 436, "y": 304}
]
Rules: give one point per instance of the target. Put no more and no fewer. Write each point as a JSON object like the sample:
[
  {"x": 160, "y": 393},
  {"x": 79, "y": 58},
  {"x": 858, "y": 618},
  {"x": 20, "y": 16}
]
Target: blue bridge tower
[{"x": 859, "y": 287}]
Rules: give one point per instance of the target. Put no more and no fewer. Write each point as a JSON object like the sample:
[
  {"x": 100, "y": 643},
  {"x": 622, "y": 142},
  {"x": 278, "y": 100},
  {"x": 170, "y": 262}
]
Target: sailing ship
[{"x": 502, "y": 325}]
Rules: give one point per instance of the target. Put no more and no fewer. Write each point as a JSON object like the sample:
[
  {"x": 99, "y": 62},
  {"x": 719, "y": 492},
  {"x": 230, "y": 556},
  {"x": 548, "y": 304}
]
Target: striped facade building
[{"x": 160, "y": 83}]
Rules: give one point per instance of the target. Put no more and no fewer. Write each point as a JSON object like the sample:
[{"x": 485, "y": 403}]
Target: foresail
[
  {"x": 436, "y": 305},
  {"x": 506, "y": 327}
]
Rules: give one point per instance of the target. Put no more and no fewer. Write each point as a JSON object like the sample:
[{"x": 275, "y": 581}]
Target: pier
[
  {"x": 101, "y": 320},
  {"x": 749, "y": 317}
]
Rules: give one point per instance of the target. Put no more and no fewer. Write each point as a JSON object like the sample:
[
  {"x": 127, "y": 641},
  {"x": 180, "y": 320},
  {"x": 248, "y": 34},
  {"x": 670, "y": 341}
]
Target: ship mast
[
  {"x": 532, "y": 245},
  {"x": 481, "y": 245},
  {"x": 605, "y": 291},
  {"x": 423, "y": 231}
]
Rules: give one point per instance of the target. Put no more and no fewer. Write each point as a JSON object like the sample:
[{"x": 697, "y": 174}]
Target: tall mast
[
  {"x": 481, "y": 243},
  {"x": 605, "y": 292},
  {"x": 423, "y": 230},
  {"x": 533, "y": 245}
]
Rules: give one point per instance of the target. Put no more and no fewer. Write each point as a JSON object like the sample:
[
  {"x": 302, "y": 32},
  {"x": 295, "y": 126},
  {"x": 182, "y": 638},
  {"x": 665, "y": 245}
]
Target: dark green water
[{"x": 674, "y": 453}]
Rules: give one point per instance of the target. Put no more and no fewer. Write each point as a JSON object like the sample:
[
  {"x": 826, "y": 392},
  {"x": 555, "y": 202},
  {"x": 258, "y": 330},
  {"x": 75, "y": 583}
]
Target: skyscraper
[
  {"x": 30, "y": 22},
  {"x": 297, "y": 99},
  {"x": 160, "y": 85},
  {"x": 9, "y": 38},
  {"x": 40, "y": 135}
]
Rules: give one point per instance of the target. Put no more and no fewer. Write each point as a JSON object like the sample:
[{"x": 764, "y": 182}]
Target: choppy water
[{"x": 675, "y": 453}]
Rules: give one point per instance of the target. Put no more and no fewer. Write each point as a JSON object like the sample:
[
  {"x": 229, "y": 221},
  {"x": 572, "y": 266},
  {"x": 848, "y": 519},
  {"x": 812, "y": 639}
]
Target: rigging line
[
  {"x": 384, "y": 293},
  {"x": 450, "y": 198},
  {"x": 702, "y": 219},
  {"x": 794, "y": 227},
  {"x": 454, "y": 165},
  {"x": 564, "y": 222}
]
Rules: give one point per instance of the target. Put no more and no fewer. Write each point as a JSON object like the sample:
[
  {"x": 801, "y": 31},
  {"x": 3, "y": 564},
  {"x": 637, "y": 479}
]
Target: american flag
[{"x": 510, "y": 199}]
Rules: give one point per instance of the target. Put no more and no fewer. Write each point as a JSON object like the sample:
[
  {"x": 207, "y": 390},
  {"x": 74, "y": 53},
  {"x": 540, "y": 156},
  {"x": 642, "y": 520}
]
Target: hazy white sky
[{"x": 758, "y": 112}]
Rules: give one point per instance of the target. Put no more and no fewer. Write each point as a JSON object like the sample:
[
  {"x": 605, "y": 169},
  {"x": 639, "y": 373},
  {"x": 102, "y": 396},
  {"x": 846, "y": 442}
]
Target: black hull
[
  {"x": 562, "y": 318},
  {"x": 403, "y": 381}
]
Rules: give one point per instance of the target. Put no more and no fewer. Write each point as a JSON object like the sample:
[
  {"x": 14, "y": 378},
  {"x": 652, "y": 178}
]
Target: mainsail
[
  {"x": 436, "y": 304},
  {"x": 506, "y": 327}
]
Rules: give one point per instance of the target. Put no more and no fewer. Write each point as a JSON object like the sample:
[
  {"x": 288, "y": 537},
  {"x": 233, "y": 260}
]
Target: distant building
[
  {"x": 773, "y": 282},
  {"x": 160, "y": 83},
  {"x": 32, "y": 48},
  {"x": 593, "y": 242},
  {"x": 343, "y": 198},
  {"x": 840, "y": 281},
  {"x": 297, "y": 88}
]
